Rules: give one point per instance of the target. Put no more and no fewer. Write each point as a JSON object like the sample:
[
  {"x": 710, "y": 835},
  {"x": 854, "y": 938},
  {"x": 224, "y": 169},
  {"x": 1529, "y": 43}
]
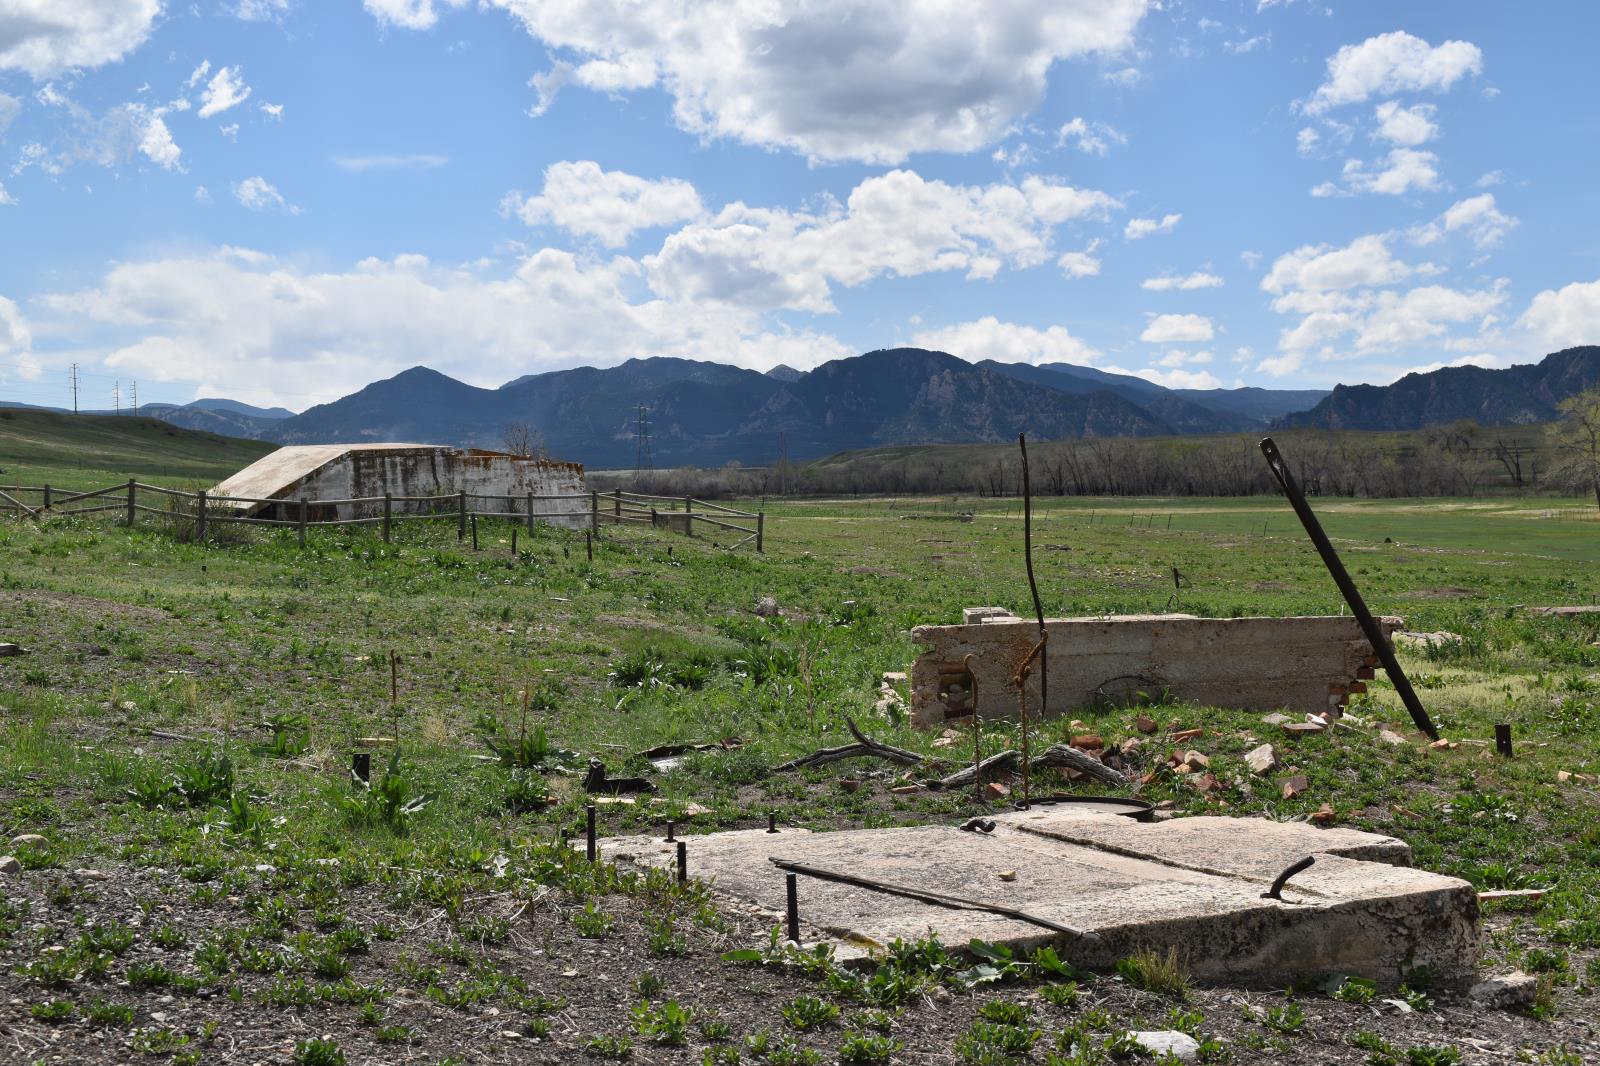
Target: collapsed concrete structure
[
  {"x": 1308, "y": 664},
  {"x": 1193, "y": 884},
  {"x": 328, "y": 476}
]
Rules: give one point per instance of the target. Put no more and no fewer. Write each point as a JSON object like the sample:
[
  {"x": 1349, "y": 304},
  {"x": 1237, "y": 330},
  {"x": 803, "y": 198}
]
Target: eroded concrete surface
[
  {"x": 1194, "y": 884},
  {"x": 1308, "y": 664}
]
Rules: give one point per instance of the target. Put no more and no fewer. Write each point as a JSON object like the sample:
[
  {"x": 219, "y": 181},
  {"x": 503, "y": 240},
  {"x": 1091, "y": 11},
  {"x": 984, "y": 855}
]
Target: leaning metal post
[{"x": 1347, "y": 588}]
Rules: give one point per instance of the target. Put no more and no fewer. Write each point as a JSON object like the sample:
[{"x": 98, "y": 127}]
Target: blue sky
[{"x": 281, "y": 200}]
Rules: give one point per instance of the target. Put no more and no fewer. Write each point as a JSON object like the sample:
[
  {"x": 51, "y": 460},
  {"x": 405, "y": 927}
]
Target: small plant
[
  {"x": 609, "y": 1046},
  {"x": 667, "y": 1024},
  {"x": 648, "y": 985},
  {"x": 168, "y": 937},
  {"x": 205, "y": 779},
  {"x": 1005, "y": 1012},
  {"x": 393, "y": 1034},
  {"x": 53, "y": 1010},
  {"x": 987, "y": 1042},
  {"x": 102, "y": 1014},
  {"x": 291, "y": 734},
  {"x": 716, "y": 1030},
  {"x": 721, "y": 1055},
  {"x": 593, "y": 923},
  {"x": 867, "y": 1048},
  {"x": 1355, "y": 990},
  {"x": 1154, "y": 971},
  {"x": 1288, "y": 1019},
  {"x": 1064, "y": 996},
  {"x": 1414, "y": 998},
  {"x": 1433, "y": 1055},
  {"x": 389, "y": 803},
  {"x": 810, "y": 1012},
  {"x": 318, "y": 1052}
]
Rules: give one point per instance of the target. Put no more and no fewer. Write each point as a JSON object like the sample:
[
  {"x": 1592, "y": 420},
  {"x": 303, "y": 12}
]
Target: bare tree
[
  {"x": 1576, "y": 440},
  {"x": 525, "y": 440}
]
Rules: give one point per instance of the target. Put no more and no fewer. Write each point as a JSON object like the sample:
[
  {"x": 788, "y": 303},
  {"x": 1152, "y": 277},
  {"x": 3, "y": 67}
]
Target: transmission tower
[
  {"x": 642, "y": 463},
  {"x": 74, "y": 388},
  {"x": 116, "y": 397},
  {"x": 136, "y": 399}
]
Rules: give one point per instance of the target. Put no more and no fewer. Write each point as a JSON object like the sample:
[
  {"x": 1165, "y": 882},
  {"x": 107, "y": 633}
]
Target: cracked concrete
[{"x": 1194, "y": 884}]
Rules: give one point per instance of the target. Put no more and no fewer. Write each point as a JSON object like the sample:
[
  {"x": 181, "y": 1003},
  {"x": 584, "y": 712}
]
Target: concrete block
[
  {"x": 1306, "y": 664},
  {"x": 1193, "y": 884}
]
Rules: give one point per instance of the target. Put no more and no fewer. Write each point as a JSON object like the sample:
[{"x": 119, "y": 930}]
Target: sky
[{"x": 279, "y": 201}]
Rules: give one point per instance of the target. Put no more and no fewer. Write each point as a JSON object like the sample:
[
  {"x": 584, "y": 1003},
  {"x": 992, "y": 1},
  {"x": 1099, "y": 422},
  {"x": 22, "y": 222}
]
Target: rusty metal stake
[
  {"x": 772, "y": 821},
  {"x": 590, "y": 848},
  {"x": 672, "y": 828},
  {"x": 1038, "y": 609},
  {"x": 1502, "y": 738},
  {"x": 1276, "y": 891},
  {"x": 1347, "y": 588},
  {"x": 683, "y": 861},
  {"x": 792, "y": 888}
]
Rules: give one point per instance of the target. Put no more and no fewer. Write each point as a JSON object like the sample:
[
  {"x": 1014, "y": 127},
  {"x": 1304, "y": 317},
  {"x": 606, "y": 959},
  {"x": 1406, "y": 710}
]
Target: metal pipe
[
  {"x": 1347, "y": 588},
  {"x": 792, "y": 889},
  {"x": 589, "y": 841},
  {"x": 683, "y": 861}
]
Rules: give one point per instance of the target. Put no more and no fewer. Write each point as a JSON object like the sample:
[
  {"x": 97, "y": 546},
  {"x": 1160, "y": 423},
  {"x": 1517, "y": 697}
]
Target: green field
[
  {"x": 294, "y": 906},
  {"x": 82, "y": 452}
]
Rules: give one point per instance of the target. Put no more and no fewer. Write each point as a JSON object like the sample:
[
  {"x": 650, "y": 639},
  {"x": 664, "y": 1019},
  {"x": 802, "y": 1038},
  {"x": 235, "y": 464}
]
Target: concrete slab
[
  {"x": 1307, "y": 664},
  {"x": 1194, "y": 884}
]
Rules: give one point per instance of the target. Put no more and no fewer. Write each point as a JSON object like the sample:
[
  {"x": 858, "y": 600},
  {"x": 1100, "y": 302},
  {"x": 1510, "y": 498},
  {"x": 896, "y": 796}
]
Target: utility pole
[
  {"x": 642, "y": 462},
  {"x": 116, "y": 396},
  {"x": 136, "y": 399},
  {"x": 74, "y": 373}
]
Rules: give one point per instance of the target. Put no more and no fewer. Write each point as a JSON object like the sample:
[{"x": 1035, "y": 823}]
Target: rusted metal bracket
[{"x": 1276, "y": 891}]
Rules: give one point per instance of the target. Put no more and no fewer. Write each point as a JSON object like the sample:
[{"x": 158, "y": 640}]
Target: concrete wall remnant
[
  {"x": 321, "y": 473},
  {"x": 1308, "y": 664}
]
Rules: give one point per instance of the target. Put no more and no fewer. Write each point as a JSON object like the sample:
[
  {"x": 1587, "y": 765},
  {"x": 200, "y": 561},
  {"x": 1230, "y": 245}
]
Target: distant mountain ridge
[{"x": 1516, "y": 395}]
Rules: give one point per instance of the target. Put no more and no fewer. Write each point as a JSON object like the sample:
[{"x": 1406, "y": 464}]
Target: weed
[
  {"x": 53, "y": 1010},
  {"x": 809, "y": 1012},
  {"x": 1433, "y": 1055},
  {"x": 609, "y": 1046},
  {"x": 318, "y": 1052},
  {"x": 593, "y": 923},
  {"x": 102, "y": 1014},
  {"x": 1154, "y": 971},
  {"x": 1005, "y": 1012},
  {"x": 667, "y": 1024},
  {"x": 1288, "y": 1019},
  {"x": 867, "y": 1048},
  {"x": 1355, "y": 990}
]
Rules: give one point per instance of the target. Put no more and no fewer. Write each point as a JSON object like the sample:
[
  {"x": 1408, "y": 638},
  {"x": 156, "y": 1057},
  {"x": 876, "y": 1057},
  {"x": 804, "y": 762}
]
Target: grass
[
  {"x": 80, "y": 452},
  {"x": 294, "y": 890}
]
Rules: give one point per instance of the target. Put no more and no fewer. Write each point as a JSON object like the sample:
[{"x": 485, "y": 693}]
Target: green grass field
[
  {"x": 271, "y": 896},
  {"x": 80, "y": 452}
]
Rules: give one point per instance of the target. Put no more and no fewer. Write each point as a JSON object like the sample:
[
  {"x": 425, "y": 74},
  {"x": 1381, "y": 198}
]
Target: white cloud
[
  {"x": 230, "y": 131},
  {"x": 1365, "y": 261},
  {"x": 1494, "y": 177},
  {"x": 1198, "y": 280},
  {"x": 1483, "y": 359},
  {"x": 834, "y": 79},
  {"x": 609, "y": 205},
  {"x": 157, "y": 144},
  {"x": 202, "y": 195},
  {"x": 44, "y": 38},
  {"x": 1178, "y": 357},
  {"x": 199, "y": 72},
  {"x": 893, "y": 224},
  {"x": 1078, "y": 264},
  {"x": 1144, "y": 227},
  {"x": 1565, "y": 317},
  {"x": 1392, "y": 63},
  {"x": 1007, "y": 342},
  {"x": 1305, "y": 142},
  {"x": 273, "y": 111},
  {"x": 16, "y": 340},
  {"x": 1477, "y": 215},
  {"x": 10, "y": 107},
  {"x": 277, "y": 332},
  {"x": 258, "y": 194},
  {"x": 418, "y": 161},
  {"x": 1180, "y": 379},
  {"x": 1406, "y": 126},
  {"x": 1401, "y": 171},
  {"x": 226, "y": 89},
  {"x": 6, "y": 199},
  {"x": 1247, "y": 44},
  {"x": 1171, "y": 329},
  {"x": 260, "y": 10},
  {"x": 1422, "y": 314},
  {"x": 120, "y": 134},
  {"x": 1092, "y": 137},
  {"x": 408, "y": 14},
  {"x": 547, "y": 84}
]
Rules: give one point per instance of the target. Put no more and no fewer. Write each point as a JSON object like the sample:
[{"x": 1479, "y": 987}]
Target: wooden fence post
[
  {"x": 46, "y": 505},
  {"x": 530, "y": 512},
  {"x": 594, "y": 511},
  {"x": 200, "y": 518},
  {"x": 761, "y": 524},
  {"x": 300, "y": 525},
  {"x": 615, "y": 492},
  {"x": 131, "y": 512},
  {"x": 461, "y": 515},
  {"x": 388, "y": 512}
]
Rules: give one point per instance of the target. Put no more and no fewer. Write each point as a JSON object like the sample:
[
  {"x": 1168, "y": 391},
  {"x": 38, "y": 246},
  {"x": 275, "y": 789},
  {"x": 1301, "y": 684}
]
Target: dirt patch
[
  {"x": 89, "y": 605},
  {"x": 1443, "y": 592}
]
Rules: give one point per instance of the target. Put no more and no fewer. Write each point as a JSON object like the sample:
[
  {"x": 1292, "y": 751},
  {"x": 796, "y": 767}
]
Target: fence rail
[{"x": 587, "y": 509}]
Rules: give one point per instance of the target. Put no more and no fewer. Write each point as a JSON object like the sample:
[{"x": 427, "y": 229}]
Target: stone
[
  {"x": 1180, "y": 1046},
  {"x": 1194, "y": 884},
  {"x": 1007, "y": 875},
  {"x": 1426, "y": 640},
  {"x": 849, "y": 784},
  {"x": 948, "y": 739},
  {"x": 1196, "y": 759},
  {"x": 1145, "y": 724},
  {"x": 1505, "y": 991},
  {"x": 1389, "y": 736},
  {"x": 995, "y": 791},
  {"x": 906, "y": 790},
  {"x": 9, "y": 864},
  {"x": 1295, "y": 785},
  {"x": 89, "y": 875},
  {"x": 1262, "y": 760},
  {"x": 1088, "y": 742},
  {"x": 767, "y": 607},
  {"x": 1277, "y": 718},
  {"x": 1301, "y": 728},
  {"x": 32, "y": 840}
]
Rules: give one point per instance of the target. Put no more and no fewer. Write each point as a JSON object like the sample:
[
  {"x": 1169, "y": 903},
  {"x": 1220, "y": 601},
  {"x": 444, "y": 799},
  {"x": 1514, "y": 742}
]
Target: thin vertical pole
[
  {"x": 792, "y": 910},
  {"x": 590, "y": 847},
  {"x": 1502, "y": 738},
  {"x": 761, "y": 527},
  {"x": 617, "y": 493},
  {"x": 300, "y": 526},
  {"x": 388, "y": 514},
  {"x": 530, "y": 512},
  {"x": 594, "y": 511},
  {"x": 474, "y": 532},
  {"x": 199, "y": 519},
  {"x": 461, "y": 515},
  {"x": 132, "y": 514},
  {"x": 588, "y": 543},
  {"x": 46, "y": 505},
  {"x": 683, "y": 862}
]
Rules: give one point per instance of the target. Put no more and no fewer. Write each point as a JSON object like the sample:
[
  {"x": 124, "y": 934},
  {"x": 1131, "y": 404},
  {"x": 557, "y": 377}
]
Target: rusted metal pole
[
  {"x": 1038, "y": 609},
  {"x": 1347, "y": 588}
]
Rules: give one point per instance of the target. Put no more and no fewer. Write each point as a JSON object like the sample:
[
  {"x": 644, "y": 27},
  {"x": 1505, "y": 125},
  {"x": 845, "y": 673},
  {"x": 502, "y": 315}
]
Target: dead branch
[
  {"x": 1058, "y": 755},
  {"x": 864, "y": 745}
]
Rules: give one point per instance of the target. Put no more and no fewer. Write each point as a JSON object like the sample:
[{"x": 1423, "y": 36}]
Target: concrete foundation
[
  {"x": 1192, "y": 884},
  {"x": 1304, "y": 664}
]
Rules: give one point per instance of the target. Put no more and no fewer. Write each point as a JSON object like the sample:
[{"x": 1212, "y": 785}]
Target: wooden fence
[{"x": 201, "y": 509}]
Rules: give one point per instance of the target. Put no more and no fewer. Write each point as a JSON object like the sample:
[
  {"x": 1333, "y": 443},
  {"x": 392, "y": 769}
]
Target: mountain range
[{"x": 706, "y": 414}]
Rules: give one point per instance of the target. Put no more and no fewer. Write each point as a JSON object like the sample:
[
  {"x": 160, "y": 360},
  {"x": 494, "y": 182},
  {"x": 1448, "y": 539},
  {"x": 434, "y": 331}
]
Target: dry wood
[
  {"x": 864, "y": 745},
  {"x": 1058, "y": 755}
]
